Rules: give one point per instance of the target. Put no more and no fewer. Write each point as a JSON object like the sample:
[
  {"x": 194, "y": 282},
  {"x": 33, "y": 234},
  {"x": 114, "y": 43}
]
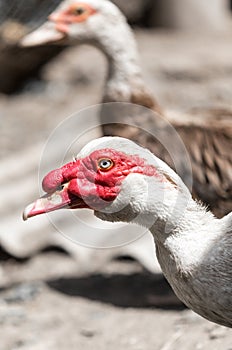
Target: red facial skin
[
  {"x": 83, "y": 184},
  {"x": 71, "y": 15}
]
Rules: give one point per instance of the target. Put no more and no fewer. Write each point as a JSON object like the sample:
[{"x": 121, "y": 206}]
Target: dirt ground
[{"x": 48, "y": 301}]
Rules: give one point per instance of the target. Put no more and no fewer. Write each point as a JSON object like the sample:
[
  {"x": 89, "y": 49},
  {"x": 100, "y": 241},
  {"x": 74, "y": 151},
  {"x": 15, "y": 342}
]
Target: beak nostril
[{"x": 60, "y": 188}]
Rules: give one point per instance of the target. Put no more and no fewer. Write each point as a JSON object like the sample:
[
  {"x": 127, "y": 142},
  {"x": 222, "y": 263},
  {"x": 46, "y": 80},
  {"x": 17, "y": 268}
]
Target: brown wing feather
[{"x": 212, "y": 169}]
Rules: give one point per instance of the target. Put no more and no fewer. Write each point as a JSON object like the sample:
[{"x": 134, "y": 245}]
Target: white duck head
[{"x": 99, "y": 23}]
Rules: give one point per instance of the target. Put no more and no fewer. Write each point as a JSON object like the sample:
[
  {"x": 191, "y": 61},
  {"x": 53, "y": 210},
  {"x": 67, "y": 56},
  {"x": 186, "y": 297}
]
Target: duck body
[
  {"x": 194, "y": 268},
  {"x": 120, "y": 181}
]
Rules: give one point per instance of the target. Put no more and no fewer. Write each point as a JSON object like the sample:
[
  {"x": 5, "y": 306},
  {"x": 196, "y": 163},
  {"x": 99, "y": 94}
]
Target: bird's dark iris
[{"x": 79, "y": 11}]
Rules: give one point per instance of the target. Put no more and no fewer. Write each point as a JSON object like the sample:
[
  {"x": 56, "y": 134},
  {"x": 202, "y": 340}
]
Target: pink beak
[
  {"x": 50, "y": 202},
  {"x": 47, "y": 33}
]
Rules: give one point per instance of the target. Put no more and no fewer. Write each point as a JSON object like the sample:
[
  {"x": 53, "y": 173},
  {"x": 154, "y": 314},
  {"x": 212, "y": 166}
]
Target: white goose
[
  {"x": 207, "y": 136},
  {"x": 121, "y": 181}
]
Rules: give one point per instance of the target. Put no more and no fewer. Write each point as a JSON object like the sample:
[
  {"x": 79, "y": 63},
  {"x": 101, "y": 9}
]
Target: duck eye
[
  {"x": 105, "y": 164},
  {"x": 79, "y": 11}
]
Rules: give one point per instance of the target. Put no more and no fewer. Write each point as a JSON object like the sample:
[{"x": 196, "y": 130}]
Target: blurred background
[{"x": 55, "y": 294}]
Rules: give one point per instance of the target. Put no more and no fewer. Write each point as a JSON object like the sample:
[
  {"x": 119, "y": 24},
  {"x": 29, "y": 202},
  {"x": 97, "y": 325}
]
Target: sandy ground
[{"x": 48, "y": 301}]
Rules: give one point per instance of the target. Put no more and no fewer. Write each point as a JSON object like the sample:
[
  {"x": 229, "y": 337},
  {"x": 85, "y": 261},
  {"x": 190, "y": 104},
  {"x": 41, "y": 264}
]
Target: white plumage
[{"x": 194, "y": 248}]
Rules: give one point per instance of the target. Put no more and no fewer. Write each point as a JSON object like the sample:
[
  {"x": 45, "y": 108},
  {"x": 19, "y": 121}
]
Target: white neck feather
[
  {"x": 185, "y": 237},
  {"x": 182, "y": 228},
  {"x": 124, "y": 73}
]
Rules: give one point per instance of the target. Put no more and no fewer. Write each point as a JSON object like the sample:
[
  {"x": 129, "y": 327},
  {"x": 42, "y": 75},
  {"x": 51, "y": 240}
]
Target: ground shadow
[
  {"x": 139, "y": 290},
  {"x": 5, "y": 256}
]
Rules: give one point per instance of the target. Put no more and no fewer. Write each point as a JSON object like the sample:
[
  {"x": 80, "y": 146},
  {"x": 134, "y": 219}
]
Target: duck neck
[
  {"x": 124, "y": 82},
  {"x": 184, "y": 237}
]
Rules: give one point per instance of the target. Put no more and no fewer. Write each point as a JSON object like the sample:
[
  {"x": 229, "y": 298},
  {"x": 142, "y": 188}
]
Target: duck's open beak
[
  {"x": 47, "y": 33},
  {"x": 50, "y": 202}
]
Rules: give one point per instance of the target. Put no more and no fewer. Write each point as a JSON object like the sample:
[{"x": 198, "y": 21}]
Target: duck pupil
[{"x": 80, "y": 11}]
